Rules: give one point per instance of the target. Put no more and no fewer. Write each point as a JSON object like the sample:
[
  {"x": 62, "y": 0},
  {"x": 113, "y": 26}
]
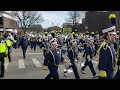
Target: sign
[{"x": 67, "y": 30}]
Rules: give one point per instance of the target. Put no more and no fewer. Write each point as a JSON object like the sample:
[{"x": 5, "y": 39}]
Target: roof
[{"x": 2, "y": 14}]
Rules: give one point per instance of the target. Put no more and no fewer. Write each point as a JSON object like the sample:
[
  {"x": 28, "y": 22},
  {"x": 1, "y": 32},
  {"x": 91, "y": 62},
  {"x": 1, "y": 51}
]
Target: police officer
[
  {"x": 89, "y": 53},
  {"x": 3, "y": 54},
  {"x": 9, "y": 45},
  {"x": 106, "y": 54},
  {"x": 15, "y": 42},
  {"x": 53, "y": 59},
  {"x": 72, "y": 54}
]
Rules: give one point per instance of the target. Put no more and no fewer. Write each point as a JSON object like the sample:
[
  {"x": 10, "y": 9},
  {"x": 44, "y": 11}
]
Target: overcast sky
[{"x": 55, "y": 17}]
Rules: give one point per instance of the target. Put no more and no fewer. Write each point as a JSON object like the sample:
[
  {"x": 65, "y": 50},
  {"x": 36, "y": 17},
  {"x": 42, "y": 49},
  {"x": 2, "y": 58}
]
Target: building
[
  {"x": 98, "y": 20},
  {"x": 7, "y": 23}
]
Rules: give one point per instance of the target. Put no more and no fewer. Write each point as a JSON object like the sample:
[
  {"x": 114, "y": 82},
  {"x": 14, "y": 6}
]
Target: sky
[{"x": 54, "y": 18}]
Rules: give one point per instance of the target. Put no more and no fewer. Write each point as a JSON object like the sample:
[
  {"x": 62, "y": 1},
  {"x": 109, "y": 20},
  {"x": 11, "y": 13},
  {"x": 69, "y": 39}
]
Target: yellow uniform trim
[
  {"x": 54, "y": 58},
  {"x": 102, "y": 73},
  {"x": 103, "y": 44},
  {"x": 88, "y": 56},
  {"x": 44, "y": 67},
  {"x": 15, "y": 41}
]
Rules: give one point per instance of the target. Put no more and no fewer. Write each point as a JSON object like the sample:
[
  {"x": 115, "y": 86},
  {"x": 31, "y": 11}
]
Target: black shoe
[
  {"x": 1, "y": 75},
  {"x": 24, "y": 57},
  {"x": 82, "y": 71},
  {"x": 96, "y": 76}
]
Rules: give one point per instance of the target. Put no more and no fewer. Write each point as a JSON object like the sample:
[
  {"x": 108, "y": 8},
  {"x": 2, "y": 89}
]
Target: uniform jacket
[
  {"x": 106, "y": 56},
  {"x": 53, "y": 58}
]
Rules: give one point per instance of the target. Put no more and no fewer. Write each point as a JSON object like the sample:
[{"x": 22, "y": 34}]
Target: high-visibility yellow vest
[
  {"x": 15, "y": 41},
  {"x": 3, "y": 48},
  {"x": 8, "y": 42}
]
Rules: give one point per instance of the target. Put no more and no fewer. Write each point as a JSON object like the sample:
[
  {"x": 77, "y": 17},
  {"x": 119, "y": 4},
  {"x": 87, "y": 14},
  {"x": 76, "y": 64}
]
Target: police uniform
[
  {"x": 52, "y": 60},
  {"x": 72, "y": 54},
  {"x": 89, "y": 53},
  {"x": 8, "y": 43},
  {"x": 3, "y": 54},
  {"x": 106, "y": 56},
  {"x": 15, "y": 42}
]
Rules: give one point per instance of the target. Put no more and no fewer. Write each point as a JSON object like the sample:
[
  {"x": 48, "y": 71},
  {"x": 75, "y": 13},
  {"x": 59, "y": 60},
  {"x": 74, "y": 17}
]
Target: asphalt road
[{"x": 31, "y": 67}]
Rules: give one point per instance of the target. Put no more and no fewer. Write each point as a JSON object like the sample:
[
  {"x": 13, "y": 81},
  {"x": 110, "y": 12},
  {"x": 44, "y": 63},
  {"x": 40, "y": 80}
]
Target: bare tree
[
  {"x": 74, "y": 17},
  {"x": 27, "y": 18}
]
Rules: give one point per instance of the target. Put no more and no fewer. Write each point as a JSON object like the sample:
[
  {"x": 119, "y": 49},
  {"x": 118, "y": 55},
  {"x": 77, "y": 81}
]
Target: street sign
[{"x": 67, "y": 30}]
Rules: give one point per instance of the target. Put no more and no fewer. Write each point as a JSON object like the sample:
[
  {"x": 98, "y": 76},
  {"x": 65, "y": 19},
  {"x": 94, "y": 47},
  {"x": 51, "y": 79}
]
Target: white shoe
[{"x": 95, "y": 76}]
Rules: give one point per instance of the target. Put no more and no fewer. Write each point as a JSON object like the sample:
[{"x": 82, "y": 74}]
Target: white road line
[
  {"x": 6, "y": 65},
  {"x": 95, "y": 62},
  {"x": 27, "y": 50},
  {"x": 21, "y": 63},
  {"x": 28, "y": 53},
  {"x": 36, "y": 62}
]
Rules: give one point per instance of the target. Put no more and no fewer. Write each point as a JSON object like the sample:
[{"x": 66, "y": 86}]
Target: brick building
[{"x": 7, "y": 23}]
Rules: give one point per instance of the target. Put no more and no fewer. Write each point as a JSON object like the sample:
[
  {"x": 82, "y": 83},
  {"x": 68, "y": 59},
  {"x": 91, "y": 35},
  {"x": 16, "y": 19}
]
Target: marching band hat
[{"x": 110, "y": 30}]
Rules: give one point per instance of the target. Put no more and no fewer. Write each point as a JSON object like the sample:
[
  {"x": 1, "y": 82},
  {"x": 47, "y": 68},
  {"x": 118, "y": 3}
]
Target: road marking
[
  {"x": 36, "y": 62},
  {"x": 21, "y": 63},
  {"x": 6, "y": 65},
  {"x": 28, "y": 53},
  {"x": 95, "y": 62},
  {"x": 27, "y": 50}
]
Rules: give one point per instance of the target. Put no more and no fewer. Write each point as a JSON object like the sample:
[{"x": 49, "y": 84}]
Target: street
[{"x": 31, "y": 67}]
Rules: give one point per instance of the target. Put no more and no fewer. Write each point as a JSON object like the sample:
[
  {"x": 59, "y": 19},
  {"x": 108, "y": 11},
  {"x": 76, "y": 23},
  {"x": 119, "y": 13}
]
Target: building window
[{"x": 1, "y": 20}]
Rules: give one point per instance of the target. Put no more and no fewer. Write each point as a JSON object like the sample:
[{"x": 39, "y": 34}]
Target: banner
[{"x": 67, "y": 30}]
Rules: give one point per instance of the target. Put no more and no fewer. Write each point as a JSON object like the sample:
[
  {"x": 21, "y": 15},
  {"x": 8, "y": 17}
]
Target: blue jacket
[
  {"x": 24, "y": 42},
  {"x": 106, "y": 56},
  {"x": 72, "y": 54},
  {"x": 89, "y": 51},
  {"x": 53, "y": 58}
]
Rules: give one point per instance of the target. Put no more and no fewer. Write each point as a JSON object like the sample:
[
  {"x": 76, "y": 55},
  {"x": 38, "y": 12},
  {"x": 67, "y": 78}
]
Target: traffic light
[{"x": 112, "y": 18}]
